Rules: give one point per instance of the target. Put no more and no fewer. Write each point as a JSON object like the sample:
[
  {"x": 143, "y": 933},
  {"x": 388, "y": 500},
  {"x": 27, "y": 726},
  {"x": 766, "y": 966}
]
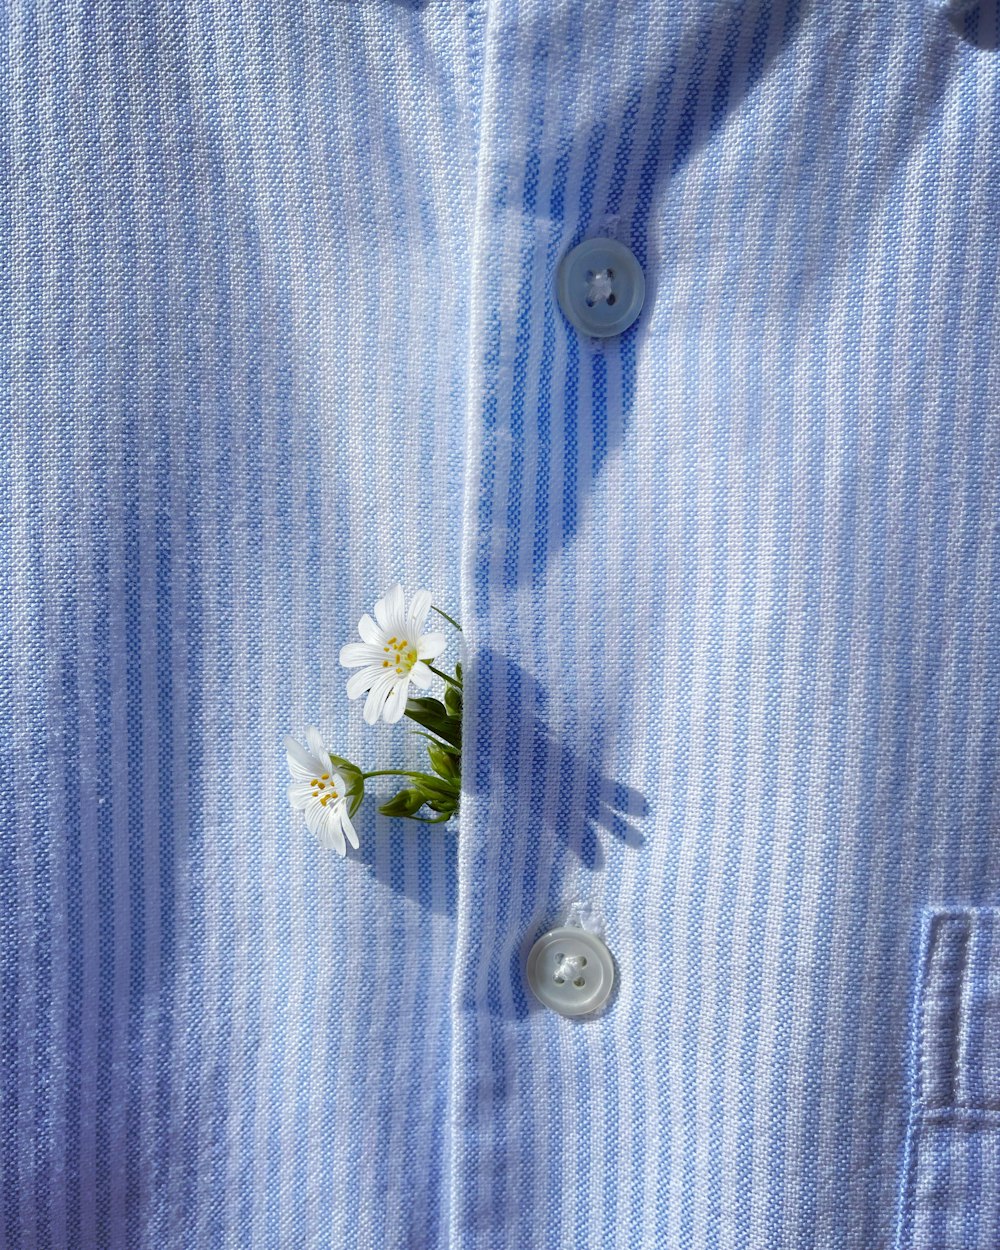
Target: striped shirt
[{"x": 279, "y": 328}]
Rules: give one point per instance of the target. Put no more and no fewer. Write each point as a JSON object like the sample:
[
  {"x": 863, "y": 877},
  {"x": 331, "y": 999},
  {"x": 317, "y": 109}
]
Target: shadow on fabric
[
  {"x": 582, "y": 409},
  {"x": 655, "y": 127},
  {"x": 568, "y": 792},
  {"x": 977, "y": 22},
  {"x": 388, "y": 846},
  {"x": 581, "y": 809}
]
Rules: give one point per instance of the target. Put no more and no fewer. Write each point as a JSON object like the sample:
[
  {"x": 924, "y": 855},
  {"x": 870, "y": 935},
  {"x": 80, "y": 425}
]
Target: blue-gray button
[{"x": 600, "y": 287}]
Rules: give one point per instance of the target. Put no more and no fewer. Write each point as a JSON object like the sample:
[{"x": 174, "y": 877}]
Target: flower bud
[
  {"x": 444, "y": 762},
  {"x": 406, "y": 803}
]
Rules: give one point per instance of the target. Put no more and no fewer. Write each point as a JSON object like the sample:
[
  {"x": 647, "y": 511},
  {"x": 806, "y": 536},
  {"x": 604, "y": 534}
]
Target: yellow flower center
[
  {"x": 402, "y": 655},
  {"x": 322, "y": 789}
]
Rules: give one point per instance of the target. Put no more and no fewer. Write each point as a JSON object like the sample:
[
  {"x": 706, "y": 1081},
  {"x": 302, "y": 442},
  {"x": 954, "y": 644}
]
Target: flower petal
[
  {"x": 319, "y": 824},
  {"x": 419, "y": 608},
  {"x": 380, "y": 691},
  {"x": 390, "y": 610},
  {"x": 421, "y": 675},
  {"x": 361, "y": 681},
  {"x": 299, "y": 794},
  {"x": 333, "y": 834},
  {"x": 348, "y": 828},
  {"x": 356, "y": 654},
  {"x": 317, "y": 749},
  {"x": 431, "y": 645},
  {"x": 370, "y": 632},
  {"x": 314, "y": 818},
  {"x": 396, "y": 601},
  {"x": 395, "y": 704},
  {"x": 301, "y": 764}
]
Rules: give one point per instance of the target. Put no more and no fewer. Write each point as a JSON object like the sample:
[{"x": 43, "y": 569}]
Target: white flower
[
  {"x": 320, "y": 791},
  {"x": 392, "y": 654}
]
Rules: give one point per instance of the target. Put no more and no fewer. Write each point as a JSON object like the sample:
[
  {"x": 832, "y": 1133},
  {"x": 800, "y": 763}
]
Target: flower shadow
[
  {"x": 567, "y": 791},
  {"x": 419, "y": 861},
  {"x": 976, "y": 21},
  {"x": 566, "y": 786},
  {"x": 543, "y": 796}
]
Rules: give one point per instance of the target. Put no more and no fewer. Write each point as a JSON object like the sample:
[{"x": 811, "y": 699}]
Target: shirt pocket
[{"x": 950, "y": 1196}]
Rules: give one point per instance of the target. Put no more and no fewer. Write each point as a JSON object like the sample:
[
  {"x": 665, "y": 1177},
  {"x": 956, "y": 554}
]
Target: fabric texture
[
  {"x": 951, "y": 1196},
  {"x": 279, "y": 328}
]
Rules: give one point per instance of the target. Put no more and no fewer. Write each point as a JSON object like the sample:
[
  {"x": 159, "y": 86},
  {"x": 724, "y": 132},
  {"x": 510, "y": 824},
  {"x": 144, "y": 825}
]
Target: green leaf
[
  {"x": 433, "y": 715},
  {"x": 453, "y": 701},
  {"x": 451, "y": 620},
  {"x": 458, "y": 671},
  {"x": 427, "y": 706},
  {"x": 445, "y": 746}
]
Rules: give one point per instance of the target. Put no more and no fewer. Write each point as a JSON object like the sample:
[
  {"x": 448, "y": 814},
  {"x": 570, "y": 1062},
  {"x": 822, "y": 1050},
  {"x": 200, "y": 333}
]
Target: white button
[
  {"x": 571, "y": 971},
  {"x": 600, "y": 287}
]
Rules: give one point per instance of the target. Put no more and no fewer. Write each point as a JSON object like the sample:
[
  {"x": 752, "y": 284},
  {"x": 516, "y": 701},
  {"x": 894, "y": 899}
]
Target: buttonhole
[
  {"x": 611, "y": 275},
  {"x": 583, "y": 961},
  {"x": 579, "y": 982},
  {"x": 611, "y": 298},
  {"x": 560, "y": 980}
]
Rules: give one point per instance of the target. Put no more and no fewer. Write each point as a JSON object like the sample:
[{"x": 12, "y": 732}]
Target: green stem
[
  {"x": 392, "y": 772},
  {"x": 438, "y": 785},
  {"x": 449, "y": 619},
  {"x": 452, "y": 681}
]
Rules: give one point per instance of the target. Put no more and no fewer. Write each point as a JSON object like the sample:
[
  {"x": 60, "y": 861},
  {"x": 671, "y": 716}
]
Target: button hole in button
[
  {"x": 611, "y": 298},
  {"x": 560, "y": 980},
  {"x": 579, "y": 982},
  {"x": 583, "y": 961}
]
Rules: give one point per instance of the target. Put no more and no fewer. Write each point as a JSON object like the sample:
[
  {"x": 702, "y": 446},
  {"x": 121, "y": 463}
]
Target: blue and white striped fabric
[{"x": 278, "y": 329}]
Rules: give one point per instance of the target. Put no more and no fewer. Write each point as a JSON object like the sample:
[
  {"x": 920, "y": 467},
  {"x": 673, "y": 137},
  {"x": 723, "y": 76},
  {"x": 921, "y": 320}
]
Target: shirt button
[
  {"x": 600, "y": 287},
  {"x": 571, "y": 971}
]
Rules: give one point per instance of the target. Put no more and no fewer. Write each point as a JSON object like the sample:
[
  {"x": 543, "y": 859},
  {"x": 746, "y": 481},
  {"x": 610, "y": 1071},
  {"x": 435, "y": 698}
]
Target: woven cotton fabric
[{"x": 279, "y": 328}]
